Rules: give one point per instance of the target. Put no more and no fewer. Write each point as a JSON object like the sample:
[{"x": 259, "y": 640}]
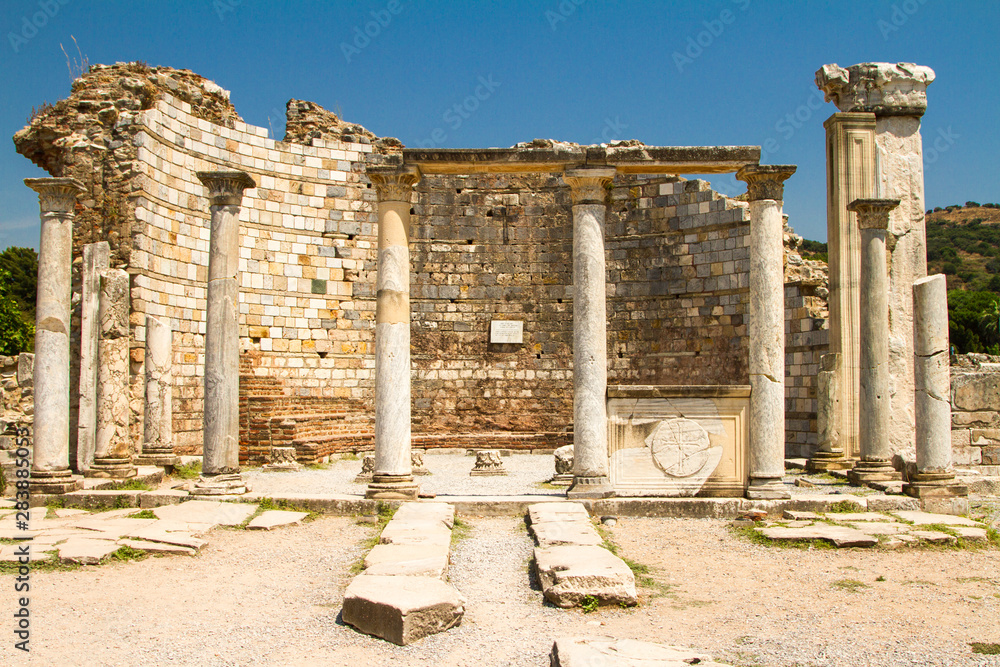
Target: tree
[
  {"x": 990, "y": 324},
  {"x": 22, "y": 265},
  {"x": 16, "y": 333}
]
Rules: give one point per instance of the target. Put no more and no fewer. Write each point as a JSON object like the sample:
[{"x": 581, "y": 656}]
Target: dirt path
[{"x": 274, "y": 599}]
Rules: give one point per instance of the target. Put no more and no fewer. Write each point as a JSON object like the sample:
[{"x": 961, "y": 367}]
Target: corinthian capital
[
  {"x": 589, "y": 185},
  {"x": 225, "y": 188},
  {"x": 765, "y": 181},
  {"x": 56, "y": 195},
  {"x": 885, "y": 89},
  {"x": 873, "y": 213},
  {"x": 393, "y": 183}
]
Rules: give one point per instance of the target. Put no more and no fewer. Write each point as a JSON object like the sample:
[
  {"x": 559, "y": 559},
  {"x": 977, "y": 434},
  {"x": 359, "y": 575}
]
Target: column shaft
[
  {"x": 158, "y": 439},
  {"x": 393, "y": 474},
  {"x": 95, "y": 260},
  {"x": 50, "y": 459}
]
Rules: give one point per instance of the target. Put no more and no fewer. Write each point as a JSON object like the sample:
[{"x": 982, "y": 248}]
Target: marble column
[
  {"x": 830, "y": 454},
  {"x": 896, "y": 93},
  {"x": 50, "y": 471},
  {"x": 588, "y": 189},
  {"x": 158, "y": 428},
  {"x": 873, "y": 400},
  {"x": 850, "y": 166},
  {"x": 221, "y": 448},
  {"x": 934, "y": 476},
  {"x": 112, "y": 442},
  {"x": 393, "y": 475},
  {"x": 766, "y": 329},
  {"x": 95, "y": 260}
]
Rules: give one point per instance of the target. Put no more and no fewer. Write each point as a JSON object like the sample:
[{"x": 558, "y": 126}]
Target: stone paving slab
[
  {"x": 122, "y": 526},
  {"x": 801, "y": 516},
  {"x": 401, "y": 610},
  {"x": 557, "y": 511},
  {"x": 851, "y": 517},
  {"x": 272, "y": 519},
  {"x": 933, "y": 536},
  {"x": 157, "y": 547},
  {"x": 66, "y": 512},
  {"x": 155, "y": 534},
  {"x": 926, "y": 518},
  {"x": 879, "y": 527},
  {"x": 426, "y": 511},
  {"x": 162, "y": 497},
  {"x": 86, "y": 551},
  {"x": 207, "y": 511},
  {"x": 842, "y": 536},
  {"x": 610, "y": 652},
  {"x": 971, "y": 533},
  {"x": 11, "y": 553},
  {"x": 570, "y": 532},
  {"x": 403, "y": 553},
  {"x": 570, "y": 574}
]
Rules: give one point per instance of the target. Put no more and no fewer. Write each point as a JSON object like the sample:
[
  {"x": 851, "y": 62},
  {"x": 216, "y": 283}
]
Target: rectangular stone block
[{"x": 401, "y": 610}]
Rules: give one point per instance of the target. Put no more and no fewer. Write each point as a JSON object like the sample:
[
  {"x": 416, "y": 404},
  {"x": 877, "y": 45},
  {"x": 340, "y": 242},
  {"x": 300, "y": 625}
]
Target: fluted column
[
  {"x": 112, "y": 455},
  {"x": 221, "y": 452},
  {"x": 873, "y": 399},
  {"x": 932, "y": 392},
  {"x": 95, "y": 261},
  {"x": 158, "y": 429},
  {"x": 393, "y": 475},
  {"x": 766, "y": 329},
  {"x": 50, "y": 471},
  {"x": 588, "y": 189}
]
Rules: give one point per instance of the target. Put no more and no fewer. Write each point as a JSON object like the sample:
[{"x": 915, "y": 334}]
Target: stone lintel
[
  {"x": 626, "y": 159},
  {"x": 588, "y": 185},
  {"x": 225, "y": 188},
  {"x": 765, "y": 181},
  {"x": 873, "y": 213},
  {"x": 885, "y": 89},
  {"x": 393, "y": 182},
  {"x": 56, "y": 195},
  {"x": 679, "y": 391}
]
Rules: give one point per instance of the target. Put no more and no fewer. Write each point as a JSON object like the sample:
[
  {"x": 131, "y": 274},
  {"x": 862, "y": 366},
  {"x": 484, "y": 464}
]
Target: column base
[
  {"x": 112, "y": 469},
  {"x": 824, "y": 461},
  {"x": 281, "y": 467},
  {"x": 562, "y": 480},
  {"x": 160, "y": 459},
  {"x": 767, "y": 488},
  {"x": 873, "y": 471},
  {"x": 56, "y": 482},
  {"x": 392, "y": 487},
  {"x": 935, "y": 485},
  {"x": 225, "y": 484},
  {"x": 590, "y": 488}
]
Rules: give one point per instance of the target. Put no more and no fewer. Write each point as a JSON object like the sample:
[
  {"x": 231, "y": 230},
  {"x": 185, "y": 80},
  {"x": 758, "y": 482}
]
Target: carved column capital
[
  {"x": 225, "y": 188},
  {"x": 765, "y": 181},
  {"x": 56, "y": 195},
  {"x": 393, "y": 183},
  {"x": 588, "y": 185},
  {"x": 873, "y": 213},
  {"x": 886, "y": 89}
]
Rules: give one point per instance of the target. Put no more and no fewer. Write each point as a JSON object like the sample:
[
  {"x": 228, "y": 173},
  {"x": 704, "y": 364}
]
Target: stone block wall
[{"x": 975, "y": 416}]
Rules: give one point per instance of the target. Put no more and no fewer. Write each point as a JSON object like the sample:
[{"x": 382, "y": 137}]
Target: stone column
[
  {"x": 934, "y": 476},
  {"x": 221, "y": 448},
  {"x": 50, "y": 471},
  {"x": 158, "y": 427},
  {"x": 850, "y": 164},
  {"x": 393, "y": 475},
  {"x": 112, "y": 455},
  {"x": 830, "y": 455},
  {"x": 896, "y": 93},
  {"x": 588, "y": 189},
  {"x": 873, "y": 399},
  {"x": 95, "y": 260},
  {"x": 766, "y": 329}
]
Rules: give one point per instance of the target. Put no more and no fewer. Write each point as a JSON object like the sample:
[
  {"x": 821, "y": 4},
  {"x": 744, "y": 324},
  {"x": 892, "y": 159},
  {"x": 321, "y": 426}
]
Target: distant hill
[{"x": 963, "y": 242}]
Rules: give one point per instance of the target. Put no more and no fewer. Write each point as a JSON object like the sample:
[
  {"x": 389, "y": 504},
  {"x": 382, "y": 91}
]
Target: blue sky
[{"x": 575, "y": 70}]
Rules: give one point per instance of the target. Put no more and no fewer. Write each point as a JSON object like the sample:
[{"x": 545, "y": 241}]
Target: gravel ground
[
  {"x": 449, "y": 476},
  {"x": 273, "y": 598}
]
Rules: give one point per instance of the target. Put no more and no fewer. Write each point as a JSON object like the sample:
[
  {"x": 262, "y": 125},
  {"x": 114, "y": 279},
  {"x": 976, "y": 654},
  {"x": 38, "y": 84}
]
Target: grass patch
[
  {"x": 384, "y": 512},
  {"x": 54, "y": 565},
  {"x": 459, "y": 531},
  {"x": 350, "y": 456},
  {"x": 142, "y": 514},
  {"x": 187, "y": 471},
  {"x": 851, "y": 585},
  {"x": 750, "y": 534},
  {"x": 880, "y": 578},
  {"x": 985, "y": 649},
  {"x": 589, "y": 604},
  {"x": 320, "y": 466},
  {"x": 127, "y": 553},
  {"x": 918, "y": 582},
  {"x": 134, "y": 484},
  {"x": 975, "y": 580},
  {"x": 845, "y": 507},
  {"x": 549, "y": 486}
]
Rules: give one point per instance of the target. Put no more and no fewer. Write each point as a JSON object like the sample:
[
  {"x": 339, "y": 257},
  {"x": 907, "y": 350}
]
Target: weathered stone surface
[
  {"x": 178, "y": 538},
  {"x": 927, "y": 518},
  {"x": 206, "y": 511},
  {"x": 610, "y": 652},
  {"x": 282, "y": 460},
  {"x": 970, "y": 533},
  {"x": 95, "y": 261},
  {"x": 800, "y": 516},
  {"x": 86, "y": 551},
  {"x": 845, "y": 517},
  {"x": 488, "y": 462},
  {"x": 883, "y": 88},
  {"x": 557, "y": 511},
  {"x": 158, "y": 432},
  {"x": 157, "y": 547},
  {"x": 112, "y": 445},
  {"x": 976, "y": 391},
  {"x": 416, "y": 531},
  {"x": 828, "y": 414},
  {"x": 933, "y": 536},
  {"x": 427, "y": 511},
  {"x": 272, "y": 519},
  {"x": 367, "y": 469},
  {"x": 571, "y": 574},
  {"x": 879, "y": 527},
  {"x": 569, "y": 532},
  {"x": 932, "y": 390},
  {"x": 432, "y": 556},
  {"x": 841, "y": 536},
  {"x": 401, "y": 610}
]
